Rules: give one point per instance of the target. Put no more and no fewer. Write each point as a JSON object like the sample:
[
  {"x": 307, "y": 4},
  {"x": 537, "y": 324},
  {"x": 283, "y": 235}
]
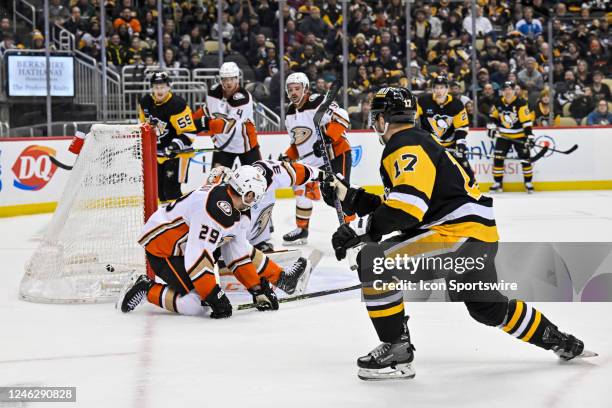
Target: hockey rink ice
[{"x": 304, "y": 355}]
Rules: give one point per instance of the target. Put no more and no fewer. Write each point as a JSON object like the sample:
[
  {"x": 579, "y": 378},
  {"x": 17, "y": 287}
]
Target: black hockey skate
[
  {"x": 389, "y": 361},
  {"x": 529, "y": 187},
  {"x": 295, "y": 278},
  {"x": 298, "y": 236},
  {"x": 565, "y": 345},
  {"x": 265, "y": 247},
  {"x": 496, "y": 188},
  {"x": 133, "y": 292}
]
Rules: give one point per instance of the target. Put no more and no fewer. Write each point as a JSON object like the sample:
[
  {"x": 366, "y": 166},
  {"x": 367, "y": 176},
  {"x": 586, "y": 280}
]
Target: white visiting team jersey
[
  {"x": 238, "y": 110},
  {"x": 301, "y": 128},
  {"x": 278, "y": 175},
  {"x": 194, "y": 226}
]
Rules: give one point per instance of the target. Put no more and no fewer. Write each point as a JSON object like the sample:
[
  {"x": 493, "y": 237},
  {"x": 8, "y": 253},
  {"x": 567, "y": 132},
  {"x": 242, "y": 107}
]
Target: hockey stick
[
  {"x": 59, "y": 163},
  {"x": 568, "y": 151},
  {"x": 535, "y": 158},
  {"x": 190, "y": 152},
  {"x": 306, "y": 296},
  {"x": 318, "y": 117}
]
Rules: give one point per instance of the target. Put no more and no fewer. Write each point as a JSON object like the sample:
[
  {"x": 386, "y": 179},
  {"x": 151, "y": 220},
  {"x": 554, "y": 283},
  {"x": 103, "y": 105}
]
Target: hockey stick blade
[
  {"x": 59, "y": 163},
  {"x": 568, "y": 151},
  {"x": 306, "y": 296}
]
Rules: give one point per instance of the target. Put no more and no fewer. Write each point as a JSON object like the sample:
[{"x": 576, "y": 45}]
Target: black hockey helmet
[
  {"x": 398, "y": 105},
  {"x": 440, "y": 80},
  {"x": 161, "y": 77},
  {"x": 508, "y": 84}
]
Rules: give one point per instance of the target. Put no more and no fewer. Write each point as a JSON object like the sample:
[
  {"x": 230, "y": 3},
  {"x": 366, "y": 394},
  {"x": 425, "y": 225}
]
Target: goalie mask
[
  {"x": 297, "y": 78},
  {"x": 248, "y": 179},
  {"x": 393, "y": 105}
]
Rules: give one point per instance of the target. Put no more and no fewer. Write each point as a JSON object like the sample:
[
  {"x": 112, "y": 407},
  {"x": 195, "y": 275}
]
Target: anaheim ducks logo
[
  {"x": 440, "y": 124},
  {"x": 300, "y": 134},
  {"x": 508, "y": 118}
]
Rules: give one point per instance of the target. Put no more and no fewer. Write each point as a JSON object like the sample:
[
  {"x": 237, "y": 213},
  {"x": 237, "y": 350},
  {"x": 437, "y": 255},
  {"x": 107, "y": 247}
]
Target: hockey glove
[
  {"x": 318, "y": 149},
  {"x": 219, "y": 303},
  {"x": 491, "y": 130},
  {"x": 353, "y": 199},
  {"x": 264, "y": 297},
  {"x": 173, "y": 148},
  {"x": 284, "y": 158},
  {"x": 350, "y": 235},
  {"x": 460, "y": 149}
]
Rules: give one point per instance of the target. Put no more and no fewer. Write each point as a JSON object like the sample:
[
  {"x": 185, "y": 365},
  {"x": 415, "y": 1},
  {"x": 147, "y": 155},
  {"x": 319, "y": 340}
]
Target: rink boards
[{"x": 31, "y": 183}]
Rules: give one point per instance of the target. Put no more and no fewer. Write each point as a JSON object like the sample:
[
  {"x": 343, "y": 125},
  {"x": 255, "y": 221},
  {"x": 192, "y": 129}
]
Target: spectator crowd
[{"x": 511, "y": 44}]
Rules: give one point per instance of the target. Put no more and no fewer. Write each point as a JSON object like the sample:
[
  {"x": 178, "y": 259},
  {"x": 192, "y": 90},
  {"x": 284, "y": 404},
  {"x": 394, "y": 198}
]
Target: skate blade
[
  {"x": 130, "y": 282},
  {"x": 584, "y": 354},
  {"x": 297, "y": 242},
  {"x": 399, "y": 372},
  {"x": 302, "y": 282}
]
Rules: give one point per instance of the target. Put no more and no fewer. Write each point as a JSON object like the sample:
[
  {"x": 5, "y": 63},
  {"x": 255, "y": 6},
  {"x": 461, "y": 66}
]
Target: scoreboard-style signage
[{"x": 27, "y": 75}]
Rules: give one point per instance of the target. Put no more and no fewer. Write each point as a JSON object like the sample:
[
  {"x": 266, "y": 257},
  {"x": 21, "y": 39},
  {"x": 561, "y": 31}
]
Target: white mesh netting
[{"x": 90, "y": 247}]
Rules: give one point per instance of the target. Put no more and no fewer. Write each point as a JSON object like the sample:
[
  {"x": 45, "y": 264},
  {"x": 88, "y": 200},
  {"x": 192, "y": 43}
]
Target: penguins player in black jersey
[
  {"x": 437, "y": 212},
  {"x": 446, "y": 118},
  {"x": 510, "y": 116},
  {"x": 170, "y": 115}
]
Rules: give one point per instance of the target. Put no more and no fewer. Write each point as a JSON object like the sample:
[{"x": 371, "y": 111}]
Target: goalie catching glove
[{"x": 350, "y": 235}]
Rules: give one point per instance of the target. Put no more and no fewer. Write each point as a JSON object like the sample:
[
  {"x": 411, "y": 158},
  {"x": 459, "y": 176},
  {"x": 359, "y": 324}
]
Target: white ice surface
[{"x": 304, "y": 355}]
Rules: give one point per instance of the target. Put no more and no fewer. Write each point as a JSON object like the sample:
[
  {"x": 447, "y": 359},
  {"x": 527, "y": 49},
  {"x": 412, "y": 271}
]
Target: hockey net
[{"x": 90, "y": 247}]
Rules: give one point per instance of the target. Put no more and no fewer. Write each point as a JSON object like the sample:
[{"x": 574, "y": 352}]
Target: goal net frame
[{"x": 86, "y": 255}]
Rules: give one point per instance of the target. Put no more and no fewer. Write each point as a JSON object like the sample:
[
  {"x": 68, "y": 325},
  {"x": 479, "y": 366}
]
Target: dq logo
[
  {"x": 33, "y": 169},
  {"x": 356, "y": 153}
]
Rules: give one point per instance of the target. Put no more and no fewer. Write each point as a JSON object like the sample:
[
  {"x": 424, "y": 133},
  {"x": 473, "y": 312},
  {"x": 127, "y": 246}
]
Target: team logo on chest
[
  {"x": 300, "y": 134},
  {"x": 440, "y": 123},
  {"x": 509, "y": 118}
]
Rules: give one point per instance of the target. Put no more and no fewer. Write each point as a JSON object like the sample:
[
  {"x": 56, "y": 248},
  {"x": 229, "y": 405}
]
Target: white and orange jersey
[
  {"x": 301, "y": 128},
  {"x": 194, "y": 226},
  {"x": 234, "y": 130}
]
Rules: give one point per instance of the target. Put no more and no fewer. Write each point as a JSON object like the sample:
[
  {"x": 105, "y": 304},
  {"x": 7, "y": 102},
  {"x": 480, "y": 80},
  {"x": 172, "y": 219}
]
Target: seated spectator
[
  {"x": 149, "y": 27},
  {"x": 308, "y": 57},
  {"x": 542, "y": 108},
  {"x": 227, "y": 29},
  {"x": 124, "y": 35},
  {"x": 583, "y": 76},
  {"x": 257, "y": 51},
  {"x": 75, "y": 24},
  {"x": 170, "y": 60},
  {"x": 241, "y": 40},
  {"x": 501, "y": 74},
  {"x": 391, "y": 65},
  {"x": 385, "y": 39},
  {"x": 417, "y": 79},
  {"x": 197, "y": 41},
  {"x": 483, "y": 25},
  {"x": 268, "y": 66},
  {"x": 332, "y": 14},
  {"x": 530, "y": 78},
  {"x": 486, "y": 99},
  {"x": 134, "y": 54},
  {"x": 293, "y": 37},
  {"x": 361, "y": 119},
  {"x": 434, "y": 22},
  {"x": 184, "y": 52},
  {"x": 598, "y": 57},
  {"x": 452, "y": 26},
  {"x": 195, "y": 61},
  {"x": 265, "y": 13},
  {"x": 566, "y": 90},
  {"x": 361, "y": 83},
  {"x": 582, "y": 104},
  {"x": 359, "y": 52},
  {"x": 455, "y": 91},
  {"x": 601, "y": 115},
  {"x": 365, "y": 28},
  {"x": 600, "y": 90},
  {"x": 528, "y": 26},
  {"x": 378, "y": 79},
  {"x": 115, "y": 52},
  {"x": 58, "y": 13},
  {"x": 7, "y": 43},
  {"x": 312, "y": 23},
  {"x": 127, "y": 18},
  {"x": 481, "y": 120}
]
